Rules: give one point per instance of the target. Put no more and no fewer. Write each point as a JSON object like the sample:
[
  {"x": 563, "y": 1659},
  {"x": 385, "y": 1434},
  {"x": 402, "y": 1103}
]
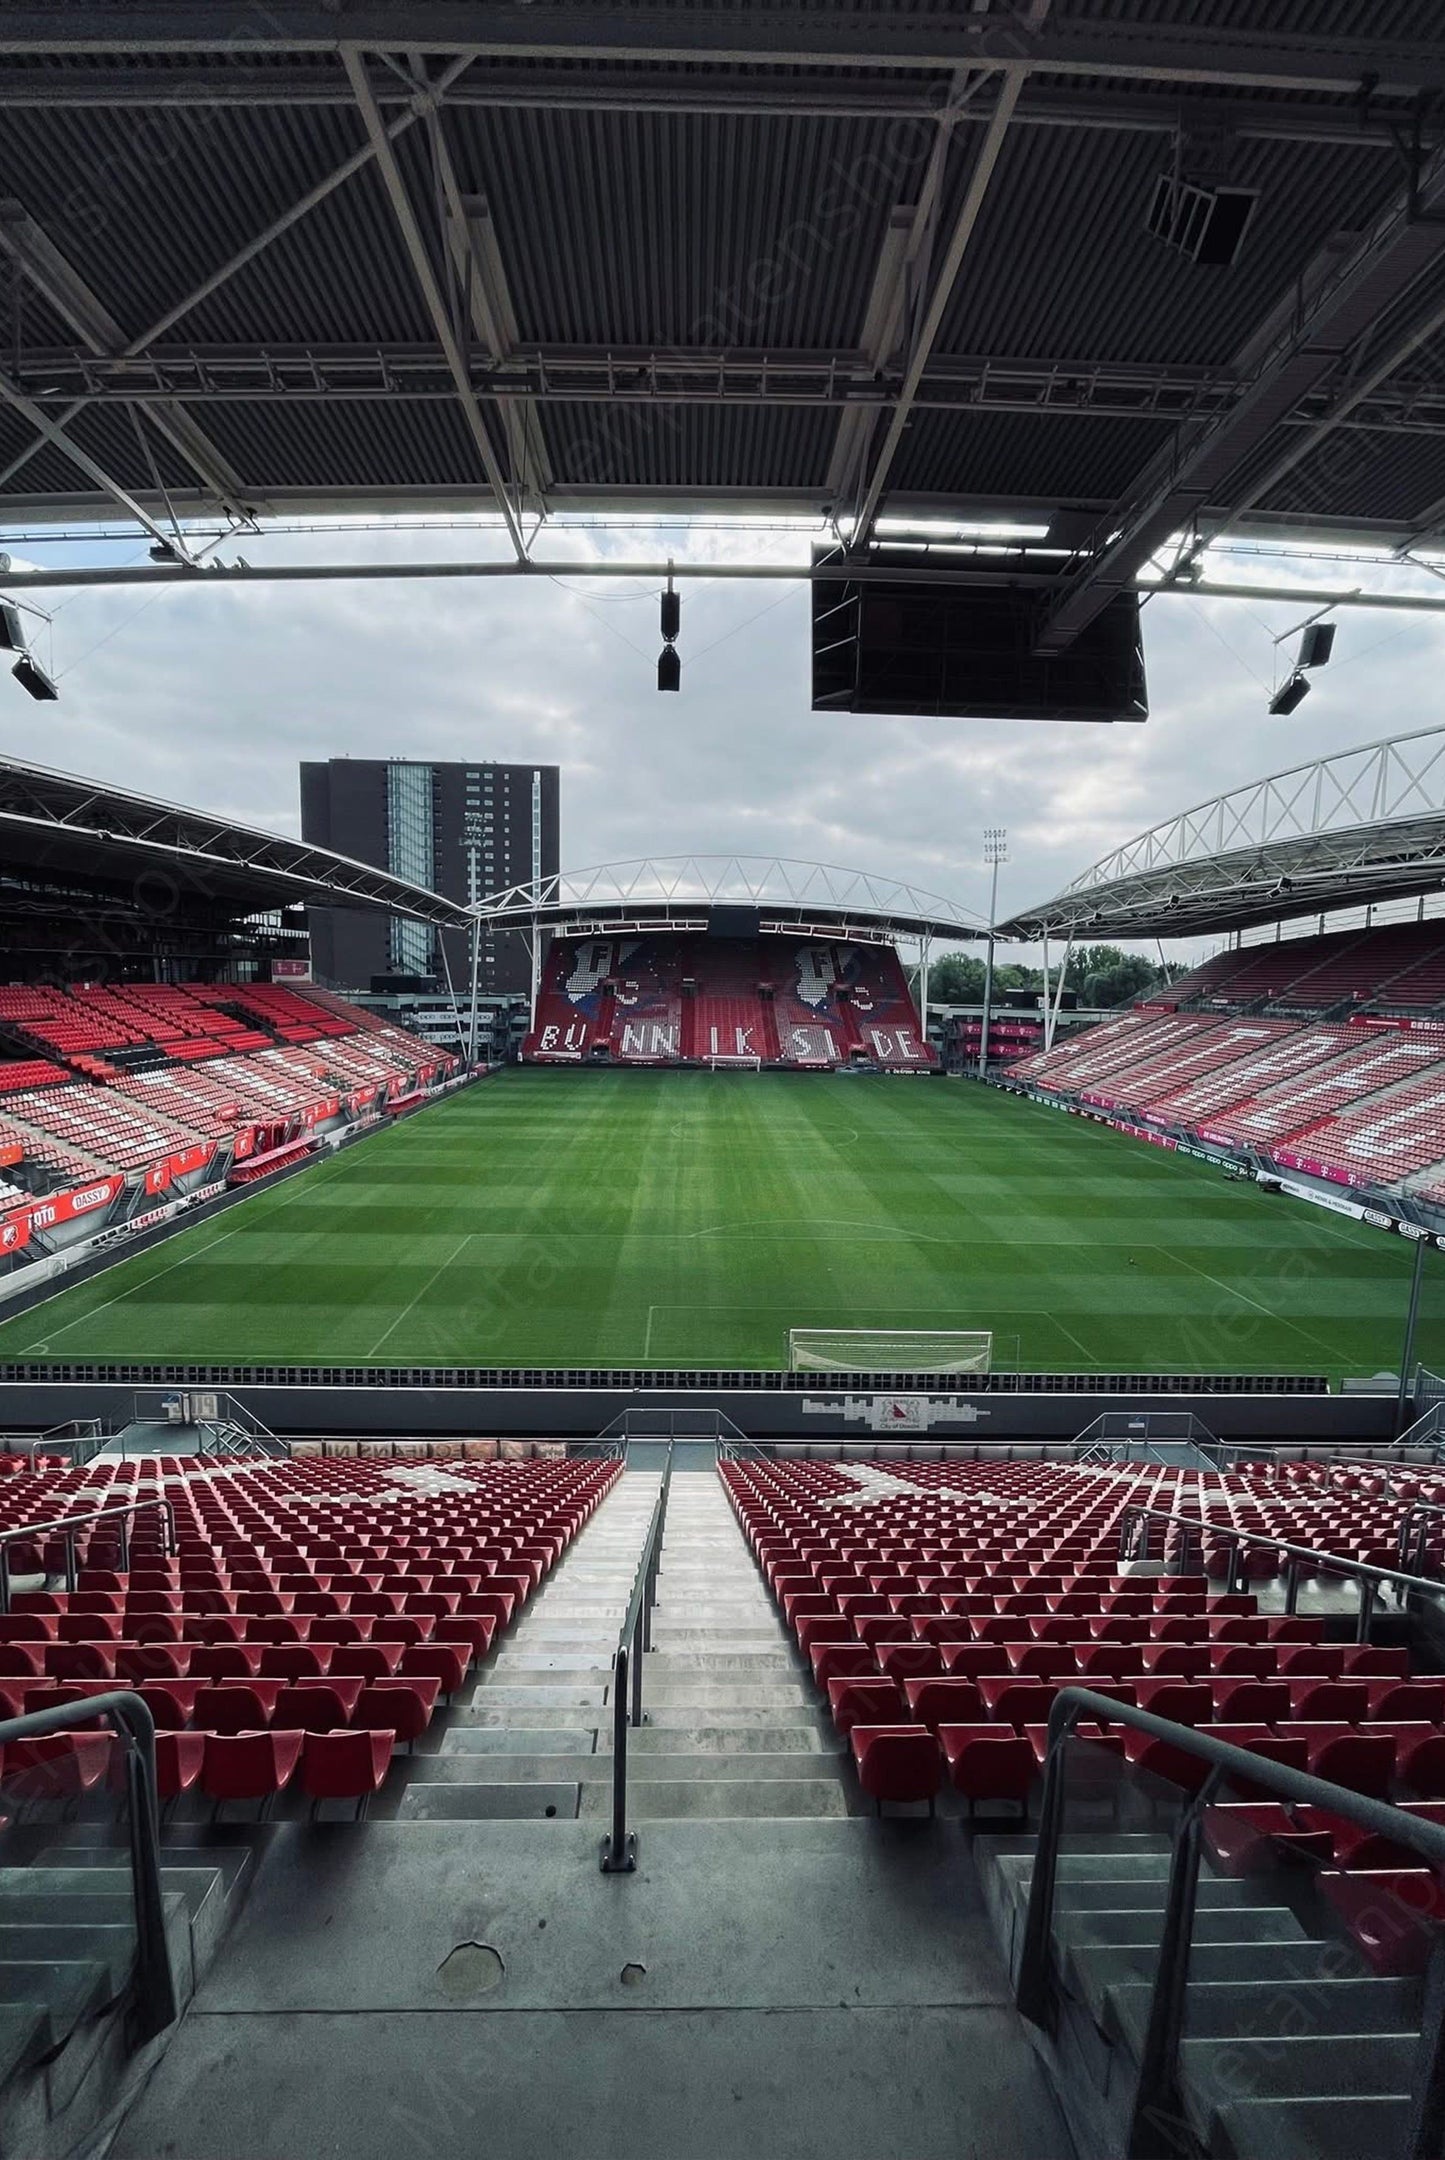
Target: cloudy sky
[{"x": 212, "y": 697}]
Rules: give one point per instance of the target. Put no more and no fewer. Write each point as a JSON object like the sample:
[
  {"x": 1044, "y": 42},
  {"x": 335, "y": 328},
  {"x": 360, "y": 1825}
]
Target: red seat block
[
  {"x": 858, "y": 1701},
  {"x": 835, "y": 1660},
  {"x": 179, "y": 1756},
  {"x": 249, "y": 1765},
  {"x": 904, "y": 1661},
  {"x": 935, "y": 1702},
  {"x": 345, "y": 1765},
  {"x": 1393, "y": 1915},
  {"x": 988, "y": 1762},
  {"x": 897, "y": 1762}
]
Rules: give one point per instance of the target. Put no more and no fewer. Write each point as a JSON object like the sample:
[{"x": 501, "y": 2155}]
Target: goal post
[
  {"x": 890, "y": 1350},
  {"x": 720, "y": 1062}
]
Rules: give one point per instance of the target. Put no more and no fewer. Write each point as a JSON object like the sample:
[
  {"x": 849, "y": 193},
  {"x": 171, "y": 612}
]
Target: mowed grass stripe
[{"x": 565, "y": 1218}]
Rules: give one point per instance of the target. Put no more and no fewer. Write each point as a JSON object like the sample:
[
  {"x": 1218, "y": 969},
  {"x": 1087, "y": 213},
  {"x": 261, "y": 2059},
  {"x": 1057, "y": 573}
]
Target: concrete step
[
  {"x": 1098, "y": 1967},
  {"x": 726, "y": 1739},
  {"x": 1307, "y": 2129},
  {"x": 678, "y": 1766},
  {"x": 719, "y": 1798},
  {"x": 1246, "y": 2010},
  {"x": 496, "y": 1801},
  {"x": 69, "y": 1990},
  {"x": 763, "y": 1695},
  {"x": 514, "y": 1740},
  {"x": 1237, "y": 1925}
]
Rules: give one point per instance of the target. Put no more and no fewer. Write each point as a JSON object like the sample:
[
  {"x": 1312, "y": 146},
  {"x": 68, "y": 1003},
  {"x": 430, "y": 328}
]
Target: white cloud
[{"x": 212, "y": 697}]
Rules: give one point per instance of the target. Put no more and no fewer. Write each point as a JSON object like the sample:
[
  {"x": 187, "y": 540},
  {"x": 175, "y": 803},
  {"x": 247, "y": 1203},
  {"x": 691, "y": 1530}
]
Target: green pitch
[{"x": 685, "y": 1219}]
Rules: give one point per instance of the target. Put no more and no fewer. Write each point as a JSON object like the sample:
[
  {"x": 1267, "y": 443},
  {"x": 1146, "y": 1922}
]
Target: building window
[{"x": 410, "y": 854}]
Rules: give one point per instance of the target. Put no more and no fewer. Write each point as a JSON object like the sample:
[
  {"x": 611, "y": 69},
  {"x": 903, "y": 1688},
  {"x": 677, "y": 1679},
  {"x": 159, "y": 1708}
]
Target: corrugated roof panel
[
  {"x": 715, "y": 446},
  {"x": 147, "y": 205},
  {"x": 1367, "y": 474},
  {"x": 350, "y": 443},
  {"x": 709, "y": 230},
  {"x": 1061, "y": 265},
  {"x": 974, "y": 453},
  {"x": 1286, "y": 18}
]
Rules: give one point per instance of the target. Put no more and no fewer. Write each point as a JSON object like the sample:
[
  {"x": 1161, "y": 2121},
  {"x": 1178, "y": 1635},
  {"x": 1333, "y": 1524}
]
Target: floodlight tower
[{"x": 995, "y": 851}]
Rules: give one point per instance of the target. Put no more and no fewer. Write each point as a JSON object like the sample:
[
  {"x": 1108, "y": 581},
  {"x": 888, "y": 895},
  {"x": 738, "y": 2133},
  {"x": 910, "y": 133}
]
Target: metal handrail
[
  {"x": 1301, "y": 1558},
  {"x": 634, "y": 1637},
  {"x": 1410, "y": 1544},
  {"x": 1156, "y": 2100},
  {"x": 68, "y": 1526},
  {"x": 129, "y": 1716}
]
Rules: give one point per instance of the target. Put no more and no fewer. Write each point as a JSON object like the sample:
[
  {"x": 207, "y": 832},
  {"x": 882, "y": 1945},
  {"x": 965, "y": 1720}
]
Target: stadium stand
[
  {"x": 302, "y": 1626},
  {"x": 140, "y": 1075},
  {"x": 682, "y": 999},
  {"x": 1356, "y": 1100},
  {"x": 1399, "y": 967}
]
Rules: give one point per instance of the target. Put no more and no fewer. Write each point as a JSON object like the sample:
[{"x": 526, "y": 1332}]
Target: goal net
[
  {"x": 719, "y": 1062},
  {"x": 890, "y": 1350}
]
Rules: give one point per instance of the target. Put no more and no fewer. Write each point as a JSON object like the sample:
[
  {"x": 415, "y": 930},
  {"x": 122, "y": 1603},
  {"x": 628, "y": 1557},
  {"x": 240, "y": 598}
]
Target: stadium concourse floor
[
  {"x": 779, "y": 1980},
  {"x": 565, "y": 1218}
]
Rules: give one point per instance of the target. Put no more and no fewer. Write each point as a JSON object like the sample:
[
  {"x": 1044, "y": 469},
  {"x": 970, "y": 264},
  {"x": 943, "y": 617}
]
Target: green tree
[{"x": 956, "y": 979}]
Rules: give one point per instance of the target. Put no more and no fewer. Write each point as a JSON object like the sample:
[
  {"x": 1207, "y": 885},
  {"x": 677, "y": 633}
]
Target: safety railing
[
  {"x": 129, "y": 1718},
  {"x": 1300, "y": 1560},
  {"x": 68, "y": 1527},
  {"x": 619, "y": 1846},
  {"x": 77, "y": 1440},
  {"x": 1157, "y": 2112},
  {"x": 1412, "y": 1543}
]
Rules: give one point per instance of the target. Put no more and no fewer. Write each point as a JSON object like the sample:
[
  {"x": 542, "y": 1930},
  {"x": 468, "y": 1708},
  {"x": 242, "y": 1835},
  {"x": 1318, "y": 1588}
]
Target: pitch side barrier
[{"x": 916, "y": 1413}]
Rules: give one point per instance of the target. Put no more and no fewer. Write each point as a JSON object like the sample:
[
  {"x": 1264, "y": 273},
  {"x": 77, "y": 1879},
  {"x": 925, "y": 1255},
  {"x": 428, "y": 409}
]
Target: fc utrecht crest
[{"x": 896, "y": 1413}]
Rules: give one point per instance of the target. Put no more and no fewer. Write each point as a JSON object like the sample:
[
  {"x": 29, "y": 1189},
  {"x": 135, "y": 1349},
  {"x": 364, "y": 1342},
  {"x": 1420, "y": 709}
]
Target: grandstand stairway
[
  {"x": 67, "y": 1944},
  {"x": 733, "y": 1728},
  {"x": 465, "y": 1978},
  {"x": 1288, "y": 2050}
]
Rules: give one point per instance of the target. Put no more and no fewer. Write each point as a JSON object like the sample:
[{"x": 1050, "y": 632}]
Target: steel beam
[
  {"x": 200, "y": 375},
  {"x": 1196, "y": 468},
  {"x": 1333, "y": 125},
  {"x": 29, "y": 246},
  {"x": 52, "y": 432},
  {"x": 931, "y": 322},
  {"x": 471, "y": 238},
  {"x": 786, "y": 37},
  {"x": 415, "y": 243}
]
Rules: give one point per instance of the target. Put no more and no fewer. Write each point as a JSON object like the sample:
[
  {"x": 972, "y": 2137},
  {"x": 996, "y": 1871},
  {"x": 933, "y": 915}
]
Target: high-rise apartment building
[{"x": 465, "y": 830}]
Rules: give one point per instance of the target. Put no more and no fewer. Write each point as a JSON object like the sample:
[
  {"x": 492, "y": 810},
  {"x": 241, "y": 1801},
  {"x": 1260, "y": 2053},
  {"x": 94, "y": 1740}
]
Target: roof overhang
[
  {"x": 58, "y": 826},
  {"x": 688, "y": 893},
  {"x": 1367, "y": 825}
]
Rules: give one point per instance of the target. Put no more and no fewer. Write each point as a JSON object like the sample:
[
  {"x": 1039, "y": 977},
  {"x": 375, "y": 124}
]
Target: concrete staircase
[
  {"x": 1292, "y": 2047},
  {"x": 732, "y": 1727},
  {"x": 67, "y": 1947}
]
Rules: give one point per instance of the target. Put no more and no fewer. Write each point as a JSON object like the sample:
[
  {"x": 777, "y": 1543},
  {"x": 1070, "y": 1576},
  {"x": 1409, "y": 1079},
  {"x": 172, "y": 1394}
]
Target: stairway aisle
[
  {"x": 731, "y": 1724},
  {"x": 732, "y": 1728},
  {"x": 524, "y": 1739}
]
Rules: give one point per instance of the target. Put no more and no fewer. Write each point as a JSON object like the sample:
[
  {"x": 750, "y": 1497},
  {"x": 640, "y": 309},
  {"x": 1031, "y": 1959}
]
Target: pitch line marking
[
  {"x": 1280, "y": 1319},
  {"x": 431, "y": 1279},
  {"x": 146, "y": 1281}
]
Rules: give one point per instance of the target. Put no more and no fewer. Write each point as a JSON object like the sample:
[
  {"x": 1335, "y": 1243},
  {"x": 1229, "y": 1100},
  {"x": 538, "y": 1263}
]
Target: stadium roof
[
  {"x": 60, "y": 826},
  {"x": 681, "y": 892},
  {"x": 1366, "y": 825},
  {"x": 333, "y": 255}
]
